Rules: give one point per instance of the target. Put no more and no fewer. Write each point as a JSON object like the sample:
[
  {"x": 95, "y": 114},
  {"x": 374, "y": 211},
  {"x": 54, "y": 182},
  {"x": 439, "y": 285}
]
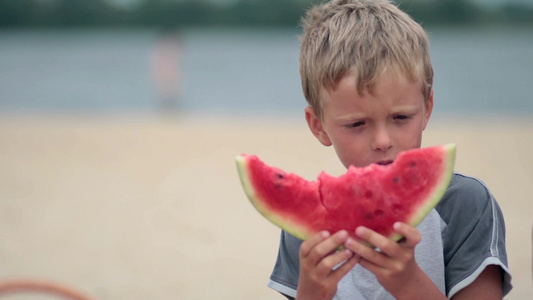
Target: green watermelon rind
[
  {"x": 439, "y": 190},
  {"x": 299, "y": 231},
  {"x": 302, "y": 232}
]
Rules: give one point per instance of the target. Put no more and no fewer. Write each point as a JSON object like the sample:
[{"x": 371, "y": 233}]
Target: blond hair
[{"x": 362, "y": 37}]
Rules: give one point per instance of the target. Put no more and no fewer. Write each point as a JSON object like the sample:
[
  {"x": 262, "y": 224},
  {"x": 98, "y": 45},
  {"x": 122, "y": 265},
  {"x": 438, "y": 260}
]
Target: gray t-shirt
[{"x": 461, "y": 236}]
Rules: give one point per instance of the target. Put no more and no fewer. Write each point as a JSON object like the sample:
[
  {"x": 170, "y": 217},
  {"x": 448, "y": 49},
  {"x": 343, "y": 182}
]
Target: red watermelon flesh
[{"x": 375, "y": 196}]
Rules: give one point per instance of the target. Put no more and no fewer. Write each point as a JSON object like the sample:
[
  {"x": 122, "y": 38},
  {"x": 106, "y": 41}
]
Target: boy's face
[{"x": 375, "y": 127}]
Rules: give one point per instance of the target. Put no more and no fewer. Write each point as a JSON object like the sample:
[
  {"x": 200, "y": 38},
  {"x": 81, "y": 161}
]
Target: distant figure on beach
[{"x": 166, "y": 71}]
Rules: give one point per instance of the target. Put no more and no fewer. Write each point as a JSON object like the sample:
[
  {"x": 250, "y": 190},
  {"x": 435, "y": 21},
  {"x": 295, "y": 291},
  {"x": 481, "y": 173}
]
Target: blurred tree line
[{"x": 189, "y": 13}]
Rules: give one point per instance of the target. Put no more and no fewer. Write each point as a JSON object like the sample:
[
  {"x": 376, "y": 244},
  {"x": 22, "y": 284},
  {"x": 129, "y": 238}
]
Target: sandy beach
[{"x": 145, "y": 207}]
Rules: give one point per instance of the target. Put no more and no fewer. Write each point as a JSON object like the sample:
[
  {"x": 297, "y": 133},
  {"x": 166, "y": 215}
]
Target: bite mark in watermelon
[{"x": 375, "y": 196}]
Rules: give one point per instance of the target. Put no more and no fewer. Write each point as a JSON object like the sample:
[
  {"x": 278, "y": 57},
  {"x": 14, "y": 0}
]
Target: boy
[{"x": 367, "y": 76}]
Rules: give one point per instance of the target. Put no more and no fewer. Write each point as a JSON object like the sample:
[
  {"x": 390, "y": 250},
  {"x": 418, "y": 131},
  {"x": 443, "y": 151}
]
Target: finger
[
  {"x": 366, "y": 252},
  {"x": 377, "y": 240},
  {"x": 345, "y": 267},
  {"x": 370, "y": 266},
  {"x": 327, "y": 246},
  {"x": 332, "y": 262},
  {"x": 411, "y": 235},
  {"x": 311, "y": 242}
]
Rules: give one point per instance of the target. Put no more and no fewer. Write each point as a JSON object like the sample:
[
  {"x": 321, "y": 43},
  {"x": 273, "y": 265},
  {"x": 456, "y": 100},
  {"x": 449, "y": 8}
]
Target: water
[{"x": 478, "y": 71}]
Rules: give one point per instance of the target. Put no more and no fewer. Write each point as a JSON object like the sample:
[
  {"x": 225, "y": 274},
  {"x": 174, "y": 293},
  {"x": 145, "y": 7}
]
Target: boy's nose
[{"x": 382, "y": 140}]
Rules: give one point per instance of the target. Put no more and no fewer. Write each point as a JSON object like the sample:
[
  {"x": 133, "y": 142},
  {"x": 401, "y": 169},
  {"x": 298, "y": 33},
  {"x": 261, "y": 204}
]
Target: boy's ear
[
  {"x": 428, "y": 109},
  {"x": 315, "y": 124}
]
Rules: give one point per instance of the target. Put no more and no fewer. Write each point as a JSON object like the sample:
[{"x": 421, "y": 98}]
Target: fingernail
[
  {"x": 324, "y": 234},
  {"x": 349, "y": 241},
  {"x": 343, "y": 234},
  {"x": 360, "y": 231},
  {"x": 397, "y": 226}
]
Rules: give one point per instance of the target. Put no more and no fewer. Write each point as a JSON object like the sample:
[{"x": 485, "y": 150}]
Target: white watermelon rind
[{"x": 293, "y": 228}]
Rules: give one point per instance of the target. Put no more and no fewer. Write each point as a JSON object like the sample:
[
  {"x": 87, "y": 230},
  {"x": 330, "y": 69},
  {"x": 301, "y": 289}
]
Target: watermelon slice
[{"x": 375, "y": 196}]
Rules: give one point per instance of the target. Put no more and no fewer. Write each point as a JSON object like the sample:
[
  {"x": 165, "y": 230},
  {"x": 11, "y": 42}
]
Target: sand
[{"x": 150, "y": 207}]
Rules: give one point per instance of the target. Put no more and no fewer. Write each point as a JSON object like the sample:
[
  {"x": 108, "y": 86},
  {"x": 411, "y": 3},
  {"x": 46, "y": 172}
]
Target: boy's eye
[
  {"x": 356, "y": 124},
  {"x": 401, "y": 117}
]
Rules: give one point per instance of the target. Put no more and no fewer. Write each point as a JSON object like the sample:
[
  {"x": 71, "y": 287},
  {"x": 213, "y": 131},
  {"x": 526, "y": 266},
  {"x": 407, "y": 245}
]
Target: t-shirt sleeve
[
  {"x": 473, "y": 234},
  {"x": 285, "y": 275}
]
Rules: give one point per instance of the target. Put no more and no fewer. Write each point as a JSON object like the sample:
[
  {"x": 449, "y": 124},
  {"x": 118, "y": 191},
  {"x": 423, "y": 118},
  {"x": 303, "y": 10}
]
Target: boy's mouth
[{"x": 384, "y": 162}]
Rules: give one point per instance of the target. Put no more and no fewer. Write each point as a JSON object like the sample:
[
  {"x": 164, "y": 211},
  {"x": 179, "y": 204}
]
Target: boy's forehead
[
  {"x": 393, "y": 88},
  {"x": 390, "y": 75}
]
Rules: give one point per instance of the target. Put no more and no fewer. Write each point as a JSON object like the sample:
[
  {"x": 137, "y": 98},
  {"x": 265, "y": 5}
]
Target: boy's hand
[
  {"x": 318, "y": 257},
  {"x": 394, "y": 264}
]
